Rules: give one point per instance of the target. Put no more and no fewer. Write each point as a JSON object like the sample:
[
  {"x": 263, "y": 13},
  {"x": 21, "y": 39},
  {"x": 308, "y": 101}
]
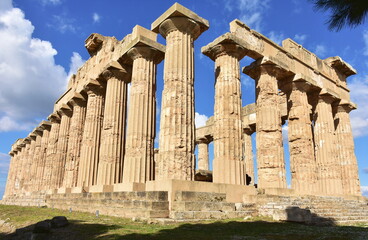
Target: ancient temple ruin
[{"x": 97, "y": 153}]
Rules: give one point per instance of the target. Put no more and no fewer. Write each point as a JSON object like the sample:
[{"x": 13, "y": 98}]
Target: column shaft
[
  {"x": 36, "y": 158},
  {"x": 248, "y": 158},
  {"x": 270, "y": 151},
  {"x": 41, "y": 165},
  {"x": 301, "y": 147},
  {"x": 87, "y": 173},
  {"x": 51, "y": 153},
  {"x": 203, "y": 160},
  {"x": 329, "y": 169},
  {"x": 29, "y": 165}
]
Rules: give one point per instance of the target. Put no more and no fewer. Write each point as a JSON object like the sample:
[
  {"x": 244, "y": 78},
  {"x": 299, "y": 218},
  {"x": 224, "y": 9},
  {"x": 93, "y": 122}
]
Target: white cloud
[
  {"x": 364, "y": 190},
  {"x": 320, "y": 50},
  {"x": 5, "y": 5},
  {"x": 250, "y": 11},
  {"x": 96, "y": 17},
  {"x": 51, "y": 2},
  {"x": 76, "y": 61},
  {"x": 365, "y": 38},
  {"x": 276, "y": 37},
  {"x": 300, "y": 38},
  {"x": 200, "y": 120},
  {"x": 29, "y": 78},
  {"x": 359, "y": 95},
  {"x": 285, "y": 132},
  {"x": 246, "y": 81},
  {"x": 63, "y": 23}
]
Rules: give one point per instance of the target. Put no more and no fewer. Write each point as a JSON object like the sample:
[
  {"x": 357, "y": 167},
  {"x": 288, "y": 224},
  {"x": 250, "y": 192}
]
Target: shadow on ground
[{"x": 234, "y": 230}]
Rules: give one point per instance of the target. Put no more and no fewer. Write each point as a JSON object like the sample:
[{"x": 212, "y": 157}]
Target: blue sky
[{"x": 42, "y": 43}]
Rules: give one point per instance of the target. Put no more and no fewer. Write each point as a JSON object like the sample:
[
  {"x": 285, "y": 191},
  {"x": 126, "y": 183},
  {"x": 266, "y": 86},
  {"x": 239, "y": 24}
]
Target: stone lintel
[
  {"x": 204, "y": 139},
  {"x": 11, "y": 153},
  {"x": 141, "y": 31},
  {"x": 115, "y": 69},
  {"x": 280, "y": 69},
  {"x": 348, "y": 104},
  {"x": 94, "y": 43},
  {"x": 329, "y": 95},
  {"x": 214, "y": 49},
  {"x": 178, "y": 10},
  {"x": 341, "y": 66}
]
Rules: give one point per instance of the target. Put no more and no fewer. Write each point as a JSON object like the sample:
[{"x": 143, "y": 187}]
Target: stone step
[
  {"x": 211, "y": 214},
  {"x": 199, "y": 196}
]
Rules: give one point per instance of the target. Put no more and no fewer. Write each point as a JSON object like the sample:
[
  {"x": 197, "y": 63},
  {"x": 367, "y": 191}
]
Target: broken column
[
  {"x": 54, "y": 118},
  {"x": 180, "y": 27},
  {"x": 228, "y": 165},
  {"x": 78, "y": 103},
  {"x": 345, "y": 148},
  {"x": 270, "y": 150},
  {"x": 146, "y": 53},
  {"x": 87, "y": 173},
  {"x": 113, "y": 129},
  {"x": 301, "y": 147},
  {"x": 328, "y": 167}
]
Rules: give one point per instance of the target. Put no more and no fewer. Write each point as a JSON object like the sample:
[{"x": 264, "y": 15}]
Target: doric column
[
  {"x": 110, "y": 166},
  {"x": 9, "y": 185},
  {"x": 45, "y": 127},
  {"x": 248, "y": 156},
  {"x": 203, "y": 160},
  {"x": 345, "y": 146},
  {"x": 329, "y": 169},
  {"x": 301, "y": 147},
  {"x": 20, "y": 171},
  {"x": 228, "y": 165},
  {"x": 139, "y": 156},
  {"x": 78, "y": 102},
  {"x": 270, "y": 150},
  {"x": 36, "y": 158},
  {"x": 87, "y": 173},
  {"x": 177, "y": 131},
  {"x": 29, "y": 164},
  {"x": 62, "y": 147},
  {"x": 51, "y": 150}
]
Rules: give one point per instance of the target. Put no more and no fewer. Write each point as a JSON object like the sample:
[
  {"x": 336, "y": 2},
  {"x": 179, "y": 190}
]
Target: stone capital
[
  {"x": 177, "y": 17},
  {"x": 94, "y": 87},
  {"x": 327, "y": 96},
  {"x": 45, "y": 125},
  {"x": 77, "y": 100},
  {"x": 65, "y": 110},
  {"x": 118, "y": 71},
  {"x": 346, "y": 106},
  {"x": 266, "y": 66},
  {"x": 94, "y": 43},
  {"x": 146, "y": 52},
  {"x": 341, "y": 66},
  {"x": 54, "y": 117},
  {"x": 227, "y": 44},
  {"x": 204, "y": 139}
]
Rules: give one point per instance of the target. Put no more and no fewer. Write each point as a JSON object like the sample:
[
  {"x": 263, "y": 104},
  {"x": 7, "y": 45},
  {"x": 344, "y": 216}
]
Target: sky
[{"x": 42, "y": 44}]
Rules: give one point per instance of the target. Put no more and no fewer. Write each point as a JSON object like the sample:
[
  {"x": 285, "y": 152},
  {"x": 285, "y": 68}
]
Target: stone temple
[{"x": 96, "y": 151}]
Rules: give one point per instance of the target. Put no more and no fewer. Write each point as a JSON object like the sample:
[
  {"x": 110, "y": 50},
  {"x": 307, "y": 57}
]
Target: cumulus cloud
[
  {"x": 250, "y": 11},
  {"x": 359, "y": 95},
  {"x": 200, "y": 120},
  {"x": 29, "y": 78},
  {"x": 76, "y": 61},
  {"x": 96, "y": 18},
  {"x": 320, "y": 50},
  {"x": 276, "y": 37},
  {"x": 63, "y": 23},
  {"x": 300, "y": 38},
  {"x": 364, "y": 190}
]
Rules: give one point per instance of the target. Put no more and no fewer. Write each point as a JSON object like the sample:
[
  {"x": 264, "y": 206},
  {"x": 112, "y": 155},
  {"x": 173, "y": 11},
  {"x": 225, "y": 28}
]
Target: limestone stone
[
  {"x": 87, "y": 173},
  {"x": 139, "y": 157},
  {"x": 112, "y": 144},
  {"x": 203, "y": 159},
  {"x": 45, "y": 126},
  {"x": 248, "y": 157},
  {"x": 180, "y": 27},
  {"x": 78, "y": 103}
]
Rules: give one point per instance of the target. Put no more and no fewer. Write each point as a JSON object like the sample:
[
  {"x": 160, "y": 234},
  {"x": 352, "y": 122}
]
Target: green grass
[{"x": 88, "y": 226}]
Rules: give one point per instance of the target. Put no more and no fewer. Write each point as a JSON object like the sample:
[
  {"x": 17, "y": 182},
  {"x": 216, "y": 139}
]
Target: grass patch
[{"x": 88, "y": 226}]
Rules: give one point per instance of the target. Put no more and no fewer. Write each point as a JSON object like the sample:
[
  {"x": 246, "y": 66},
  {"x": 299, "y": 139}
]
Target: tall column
[
  {"x": 228, "y": 165},
  {"x": 110, "y": 167},
  {"x": 62, "y": 147},
  {"x": 301, "y": 147},
  {"x": 29, "y": 164},
  {"x": 51, "y": 151},
  {"x": 20, "y": 173},
  {"x": 75, "y": 140},
  {"x": 139, "y": 156},
  {"x": 36, "y": 158},
  {"x": 329, "y": 169},
  {"x": 203, "y": 160},
  {"x": 87, "y": 173},
  {"x": 248, "y": 157},
  {"x": 177, "y": 131},
  {"x": 46, "y": 127},
  {"x": 9, "y": 186},
  {"x": 345, "y": 145},
  {"x": 270, "y": 150}
]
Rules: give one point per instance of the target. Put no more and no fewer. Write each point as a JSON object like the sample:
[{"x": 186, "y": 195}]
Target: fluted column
[
  {"x": 139, "y": 156},
  {"x": 9, "y": 185},
  {"x": 20, "y": 173},
  {"x": 270, "y": 150},
  {"x": 228, "y": 165},
  {"x": 346, "y": 155},
  {"x": 87, "y": 173},
  {"x": 329, "y": 169},
  {"x": 29, "y": 164},
  {"x": 110, "y": 168},
  {"x": 36, "y": 158},
  {"x": 51, "y": 150},
  {"x": 75, "y": 141},
  {"x": 203, "y": 160},
  {"x": 248, "y": 157},
  {"x": 301, "y": 147},
  {"x": 46, "y": 127},
  {"x": 177, "y": 131}
]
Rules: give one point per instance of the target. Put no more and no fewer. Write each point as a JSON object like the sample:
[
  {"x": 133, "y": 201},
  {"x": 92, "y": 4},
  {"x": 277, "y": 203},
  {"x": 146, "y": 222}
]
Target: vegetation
[{"x": 88, "y": 226}]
